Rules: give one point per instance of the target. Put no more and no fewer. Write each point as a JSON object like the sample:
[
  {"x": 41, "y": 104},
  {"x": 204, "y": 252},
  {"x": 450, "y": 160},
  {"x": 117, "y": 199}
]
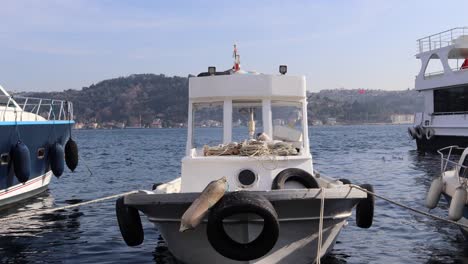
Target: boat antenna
[{"x": 236, "y": 57}]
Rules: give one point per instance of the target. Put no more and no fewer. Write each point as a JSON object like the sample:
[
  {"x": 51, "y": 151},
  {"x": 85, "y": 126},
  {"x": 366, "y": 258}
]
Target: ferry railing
[
  {"x": 17, "y": 107},
  {"x": 441, "y": 39},
  {"x": 446, "y": 160}
]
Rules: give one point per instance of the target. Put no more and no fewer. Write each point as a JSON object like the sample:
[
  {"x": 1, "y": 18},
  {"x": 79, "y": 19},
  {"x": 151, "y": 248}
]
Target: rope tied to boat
[
  {"x": 51, "y": 210},
  {"x": 409, "y": 207},
  {"x": 320, "y": 229}
]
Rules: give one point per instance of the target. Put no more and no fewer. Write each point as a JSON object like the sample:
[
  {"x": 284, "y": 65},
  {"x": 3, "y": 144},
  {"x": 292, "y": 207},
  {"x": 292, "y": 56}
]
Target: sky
[{"x": 54, "y": 45}]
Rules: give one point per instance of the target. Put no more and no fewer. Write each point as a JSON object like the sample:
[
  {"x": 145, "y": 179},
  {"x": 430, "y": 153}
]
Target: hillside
[
  {"x": 150, "y": 97},
  {"x": 363, "y": 106},
  {"x": 127, "y": 99}
]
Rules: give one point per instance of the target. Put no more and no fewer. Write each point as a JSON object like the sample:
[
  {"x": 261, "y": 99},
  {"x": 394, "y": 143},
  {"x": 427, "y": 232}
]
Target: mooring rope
[
  {"x": 409, "y": 207},
  {"x": 44, "y": 211},
  {"x": 320, "y": 229}
]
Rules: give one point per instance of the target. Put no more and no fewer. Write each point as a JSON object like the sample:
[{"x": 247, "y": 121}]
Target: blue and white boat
[{"x": 33, "y": 132}]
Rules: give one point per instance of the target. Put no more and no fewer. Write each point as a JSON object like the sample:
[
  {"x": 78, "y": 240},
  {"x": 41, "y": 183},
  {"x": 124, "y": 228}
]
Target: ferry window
[
  {"x": 246, "y": 120},
  {"x": 207, "y": 124},
  {"x": 451, "y": 100},
  {"x": 287, "y": 120}
]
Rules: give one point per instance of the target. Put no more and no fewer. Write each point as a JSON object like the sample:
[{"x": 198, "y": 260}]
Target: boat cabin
[
  {"x": 443, "y": 80},
  {"x": 245, "y": 126}
]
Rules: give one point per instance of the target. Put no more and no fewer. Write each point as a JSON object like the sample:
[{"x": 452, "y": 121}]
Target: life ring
[
  {"x": 365, "y": 209},
  {"x": 129, "y": 223},
  {"x": 294, "y": 174},
  {"x": 57, "y": 159},
  {"x": 242, "y": 202},
  {"x": 430, "y": 133},
  {"x": 418, "y": 132},
  {"x": 21, "y": 161},
  {"x": 412, "y": 132}
]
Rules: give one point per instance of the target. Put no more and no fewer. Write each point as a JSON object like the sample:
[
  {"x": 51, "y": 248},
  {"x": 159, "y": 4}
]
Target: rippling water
[{"x": 124, "y": 160}]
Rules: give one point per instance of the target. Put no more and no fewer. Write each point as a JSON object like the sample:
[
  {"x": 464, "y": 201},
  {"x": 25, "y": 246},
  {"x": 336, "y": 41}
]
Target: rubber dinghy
[{"x": 247, "y": 192}]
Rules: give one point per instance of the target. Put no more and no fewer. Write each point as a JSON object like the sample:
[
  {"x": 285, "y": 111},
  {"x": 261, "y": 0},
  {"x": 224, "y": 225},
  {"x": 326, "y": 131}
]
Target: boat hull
[
  {"x": 298, "y": 216},
  {"x": 439, "y": 142},
  {"x": 38, "y": 137},
  {"x": 464, "y": 219}
]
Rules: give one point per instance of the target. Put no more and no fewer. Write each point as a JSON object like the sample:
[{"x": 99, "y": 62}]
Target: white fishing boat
[
  {"x": 452, "y": 183},
  {"x": 443, "y": 80},
  {"x": 251, "y": 129}
]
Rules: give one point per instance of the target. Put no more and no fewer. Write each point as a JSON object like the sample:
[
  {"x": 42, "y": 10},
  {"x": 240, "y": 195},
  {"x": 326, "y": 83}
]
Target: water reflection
[{"x": 28, "y": 238}]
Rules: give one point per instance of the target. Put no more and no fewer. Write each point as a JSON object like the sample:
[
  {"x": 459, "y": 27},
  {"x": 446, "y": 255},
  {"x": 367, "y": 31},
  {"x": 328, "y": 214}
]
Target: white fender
[
  {"x": 433, "y": 195},
  {"x": 212, "y": 193},
  {"x": 457, "y": 204}
]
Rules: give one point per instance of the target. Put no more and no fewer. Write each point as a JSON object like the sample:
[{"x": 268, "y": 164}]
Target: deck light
[
  {"x": 283, "y": 69},
  {"x": 212, "y": 70}
]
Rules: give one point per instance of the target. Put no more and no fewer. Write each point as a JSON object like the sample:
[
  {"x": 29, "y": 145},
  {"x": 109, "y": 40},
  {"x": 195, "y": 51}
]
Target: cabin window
[
  {"x": 451, "y": 100},
  {"x": 207, "y": 124},
  {"x": 247, "y": 119},
  {"x": 287, "y": 121}
]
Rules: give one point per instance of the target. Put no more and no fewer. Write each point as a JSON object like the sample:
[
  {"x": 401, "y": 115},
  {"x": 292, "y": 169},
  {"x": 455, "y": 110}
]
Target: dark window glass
[{"x": 451, "y": 100}]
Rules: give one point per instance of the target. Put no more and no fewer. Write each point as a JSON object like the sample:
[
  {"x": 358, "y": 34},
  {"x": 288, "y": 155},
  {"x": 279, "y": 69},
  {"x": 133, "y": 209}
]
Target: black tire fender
[
  {"x": 243, "y": 202},
  {"x": 412, "y": 132},
  {"x": 365, "y": 209},
  {"x": 129, "y": 223},
  {"x": 419, "y": 132},
  {"x": 430, "y": 133},
  {"x": 294, "y": 174}
]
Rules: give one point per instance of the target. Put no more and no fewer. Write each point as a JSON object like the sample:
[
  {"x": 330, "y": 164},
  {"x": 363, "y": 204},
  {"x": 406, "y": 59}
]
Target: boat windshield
[
  {"x": 287, "y": 121},
  {"x": 246, "y": 120},
  {"x": 207, "y": 124},
  {"x": 4, "y": 100}
]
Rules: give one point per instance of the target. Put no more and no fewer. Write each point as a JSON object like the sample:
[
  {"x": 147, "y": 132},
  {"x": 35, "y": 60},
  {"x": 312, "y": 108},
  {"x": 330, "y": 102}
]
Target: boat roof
[
  {"x": 455, "y": 38},
  {"x": 247, "y": 86}
]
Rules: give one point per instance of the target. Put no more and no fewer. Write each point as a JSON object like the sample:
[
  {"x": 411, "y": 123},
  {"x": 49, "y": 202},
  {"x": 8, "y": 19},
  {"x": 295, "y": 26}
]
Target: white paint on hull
[
  {"x": 22, "y": 191},
  {"x": 297, "y": 242}
]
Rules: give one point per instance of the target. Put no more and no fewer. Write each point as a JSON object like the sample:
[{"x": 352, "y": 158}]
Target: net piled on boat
[{"x": 251, "y": 148}]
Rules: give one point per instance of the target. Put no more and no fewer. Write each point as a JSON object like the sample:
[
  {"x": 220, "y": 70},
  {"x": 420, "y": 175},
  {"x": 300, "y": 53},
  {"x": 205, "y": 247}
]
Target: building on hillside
[
  {"x": 331, "y": 121},
  {"x": 317, "y": 122},
  {"x": 157, "y": 123},
  {"x": 402, "y": 118}
]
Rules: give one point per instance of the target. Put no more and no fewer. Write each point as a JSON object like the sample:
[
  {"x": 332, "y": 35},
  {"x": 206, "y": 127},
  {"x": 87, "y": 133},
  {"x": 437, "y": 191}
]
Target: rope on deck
[
  {"x": 409, "y": 207},
  {"x": 44, "y": 211}
]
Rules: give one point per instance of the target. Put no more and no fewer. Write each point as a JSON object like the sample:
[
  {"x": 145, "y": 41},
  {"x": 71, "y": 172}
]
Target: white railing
[
  {"x": 447, "y": 162},
  {"x": 19, "y": 108},
  {"x": 442, "y": 39}
]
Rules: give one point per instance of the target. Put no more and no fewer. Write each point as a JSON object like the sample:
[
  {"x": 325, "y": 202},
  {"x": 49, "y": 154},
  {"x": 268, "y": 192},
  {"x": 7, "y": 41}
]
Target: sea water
[{"x": 116, "y": 161}]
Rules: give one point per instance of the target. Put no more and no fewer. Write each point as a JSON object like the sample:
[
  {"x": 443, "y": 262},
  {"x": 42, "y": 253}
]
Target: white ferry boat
[
  {"x": 34, "y": 144},
  {"x": 444, "y": 121},
  {"x": 251, "y": 129}
]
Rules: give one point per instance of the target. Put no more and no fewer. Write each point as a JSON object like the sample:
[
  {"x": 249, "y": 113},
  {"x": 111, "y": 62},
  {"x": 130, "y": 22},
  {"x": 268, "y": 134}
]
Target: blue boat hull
[{"x": 38, "y": 137}]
